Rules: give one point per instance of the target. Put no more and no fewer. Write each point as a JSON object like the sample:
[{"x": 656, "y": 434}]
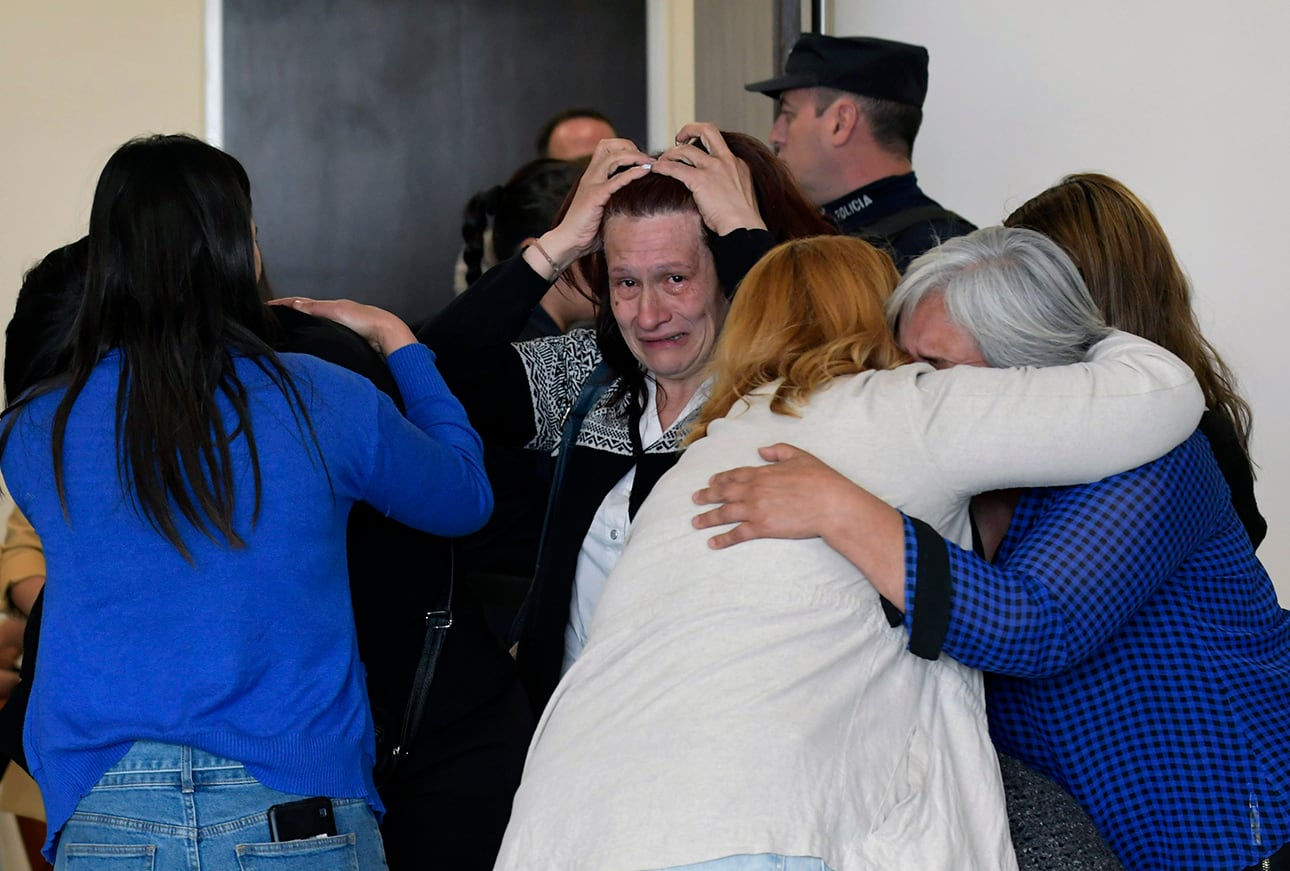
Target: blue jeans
[
  {"x": 165, "y": 806},
  {"x": 757, "y": 862}
]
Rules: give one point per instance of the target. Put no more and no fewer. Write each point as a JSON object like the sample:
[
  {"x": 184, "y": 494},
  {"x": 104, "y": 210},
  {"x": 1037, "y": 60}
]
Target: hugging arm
[
  {"x": 799, "y": 496},
  {"x": 985, "y": 429},
  {"x": 1094, "y": 553},
  {"x": 1129, "y": 403}
]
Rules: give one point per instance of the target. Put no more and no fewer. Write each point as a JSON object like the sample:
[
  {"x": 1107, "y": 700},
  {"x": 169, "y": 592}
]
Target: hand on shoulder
[{"x": 384, "y": 331}]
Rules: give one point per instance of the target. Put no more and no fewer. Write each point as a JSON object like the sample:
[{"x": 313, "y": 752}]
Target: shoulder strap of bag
[
  {"x": 592, "y": 388},
  {"x": 601, "y": 377},
  {"x": 894, "y": 225},
  {"x": 437, "y": 622}
]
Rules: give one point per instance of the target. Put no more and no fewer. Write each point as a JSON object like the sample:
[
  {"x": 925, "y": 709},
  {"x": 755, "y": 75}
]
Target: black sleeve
[
  {"x": 932, "y": 592},
  {"x": 472, "y": 339},
  {"x": 736, "y": 253},
  {"x": 1235, "y": 466},
  {"x": 335, "y": 343},
  {"x": 492, "y": 312},
  {"x": 14, "y": 711}
]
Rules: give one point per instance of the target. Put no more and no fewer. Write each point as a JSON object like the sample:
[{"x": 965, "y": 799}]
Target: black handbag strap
[
  {"x": 438, "y": 620},
  {"x": 895, "y": 224},
  {"x": 601, "y": 377}
]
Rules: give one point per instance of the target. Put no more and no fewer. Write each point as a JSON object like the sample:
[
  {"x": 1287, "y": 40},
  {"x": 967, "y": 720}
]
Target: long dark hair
[
  {"x": 171, "y": 287},
  {"x": 784, "y": 208},
  {"x": 36, "y": 340}
]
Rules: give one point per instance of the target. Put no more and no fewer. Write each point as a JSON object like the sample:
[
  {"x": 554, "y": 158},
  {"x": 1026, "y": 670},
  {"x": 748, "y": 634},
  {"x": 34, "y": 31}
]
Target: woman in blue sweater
[{"x": 192, "y": 487}]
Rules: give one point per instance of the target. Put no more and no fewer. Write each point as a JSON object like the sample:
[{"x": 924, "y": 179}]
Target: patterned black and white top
[{"x": 557, "y": 367}]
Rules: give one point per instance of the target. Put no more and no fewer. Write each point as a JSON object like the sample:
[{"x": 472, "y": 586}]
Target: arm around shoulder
[{"x": 1128, "y": 403}]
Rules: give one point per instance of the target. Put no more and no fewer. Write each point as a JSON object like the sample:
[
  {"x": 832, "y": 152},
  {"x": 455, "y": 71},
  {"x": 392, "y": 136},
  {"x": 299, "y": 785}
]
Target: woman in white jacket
[{"x": 757, "y": 704}]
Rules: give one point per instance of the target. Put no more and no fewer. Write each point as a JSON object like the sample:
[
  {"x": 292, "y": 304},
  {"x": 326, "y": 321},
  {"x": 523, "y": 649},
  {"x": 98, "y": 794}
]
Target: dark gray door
[{"x": 365, "y": 125}]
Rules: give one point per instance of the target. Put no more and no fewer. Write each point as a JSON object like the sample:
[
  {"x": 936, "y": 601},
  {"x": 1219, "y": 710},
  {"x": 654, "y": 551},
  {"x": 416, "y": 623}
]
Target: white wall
[
  {"x": 669, "y": 59},
  {"x": 80, "y": 78},
  {"x": 1187, "y": 102}
]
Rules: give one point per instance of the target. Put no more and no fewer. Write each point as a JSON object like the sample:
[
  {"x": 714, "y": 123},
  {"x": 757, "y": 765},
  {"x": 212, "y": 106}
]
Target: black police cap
[{"x": 864, "y": 65}]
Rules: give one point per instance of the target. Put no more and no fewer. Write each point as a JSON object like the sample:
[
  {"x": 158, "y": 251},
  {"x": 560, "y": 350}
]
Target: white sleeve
[{"x": 1128, "y": 403}]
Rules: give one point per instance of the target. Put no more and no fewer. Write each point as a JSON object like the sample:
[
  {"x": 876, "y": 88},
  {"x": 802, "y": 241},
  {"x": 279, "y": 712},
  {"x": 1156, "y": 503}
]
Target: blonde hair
[{"x": 810, "y": 310}]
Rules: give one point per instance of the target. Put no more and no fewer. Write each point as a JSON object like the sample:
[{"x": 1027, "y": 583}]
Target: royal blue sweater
[{"x": 247, "y": 653}]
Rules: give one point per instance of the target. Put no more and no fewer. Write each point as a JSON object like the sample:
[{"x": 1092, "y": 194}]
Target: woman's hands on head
[
  {"x": 384, "y": 331},
  {"x": 721, "y": 183},
  {"x": 702, "y": 161},
  {"x": 614, "y": 163}
]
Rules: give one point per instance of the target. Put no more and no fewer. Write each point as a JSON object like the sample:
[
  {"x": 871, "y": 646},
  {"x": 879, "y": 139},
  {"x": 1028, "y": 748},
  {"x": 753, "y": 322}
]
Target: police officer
[{"x": 849, "y": 109}]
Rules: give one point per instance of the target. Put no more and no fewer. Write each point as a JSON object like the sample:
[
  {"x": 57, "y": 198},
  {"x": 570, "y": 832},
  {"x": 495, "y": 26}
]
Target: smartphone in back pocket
[{"x": 298, "y": 820}]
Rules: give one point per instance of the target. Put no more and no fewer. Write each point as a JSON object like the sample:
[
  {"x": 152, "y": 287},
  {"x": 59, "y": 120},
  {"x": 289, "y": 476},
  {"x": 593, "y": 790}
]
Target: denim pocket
[
  {"x": 335, "y": 853},
  {"x": 107, "y": 857}
]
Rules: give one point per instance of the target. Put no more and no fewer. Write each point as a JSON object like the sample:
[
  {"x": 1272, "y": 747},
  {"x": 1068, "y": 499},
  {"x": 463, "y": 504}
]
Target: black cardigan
[{"x": 472, "y": 342}]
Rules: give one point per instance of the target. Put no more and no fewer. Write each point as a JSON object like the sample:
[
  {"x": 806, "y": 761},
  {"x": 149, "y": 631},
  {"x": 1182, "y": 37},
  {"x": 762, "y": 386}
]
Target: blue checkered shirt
[{"x": 1138, "y": 656}]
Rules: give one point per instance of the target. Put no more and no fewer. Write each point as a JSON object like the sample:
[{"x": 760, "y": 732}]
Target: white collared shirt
[{"x": 607, "y": 535}]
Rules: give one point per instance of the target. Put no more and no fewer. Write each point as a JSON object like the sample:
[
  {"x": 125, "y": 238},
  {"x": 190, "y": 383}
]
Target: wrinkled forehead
[
  {"x": 679, "y": 226},
  {"x": 673, "y": 240}
]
